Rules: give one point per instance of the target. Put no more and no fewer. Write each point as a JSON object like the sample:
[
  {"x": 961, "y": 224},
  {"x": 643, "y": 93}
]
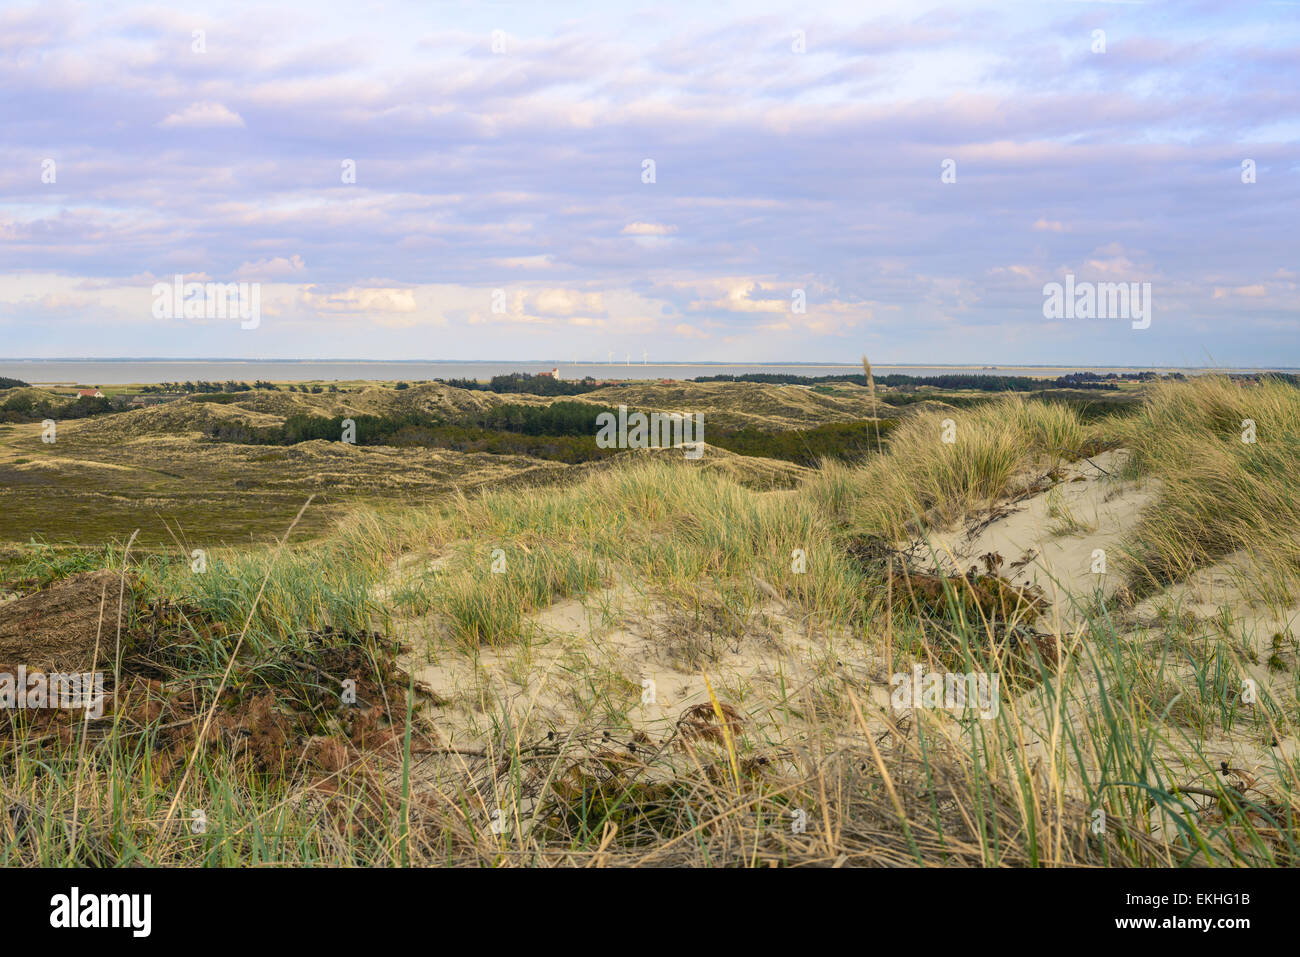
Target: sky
[{"x": 725, "y": 181}]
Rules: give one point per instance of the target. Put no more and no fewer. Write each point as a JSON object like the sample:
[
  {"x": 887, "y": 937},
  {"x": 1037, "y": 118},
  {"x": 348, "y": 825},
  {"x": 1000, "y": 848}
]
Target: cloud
[
  {"x": 525, "y": 262},
  {"x": 648, "y": 229},
  {"x": 203, "y": 114},
  {"x": 566, "y": 302},
  {"x": 744, "y": 297},
  {"x": 361, "y": 300},
  {"x": 1244, "y": 292},
  {"x": 276, "y": 268},
  {"x": 775, "y": 171}
]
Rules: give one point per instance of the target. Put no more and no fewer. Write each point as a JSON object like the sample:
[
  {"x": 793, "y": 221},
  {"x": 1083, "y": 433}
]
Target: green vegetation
[
  {"x": 1228, "y": 455},
  {"x": 842, "y": 441},
  {"x": 526, "y": 383},
  {"x": 203, "y": 386},
  {"x": 923, "y": 478},
  {"x": 561, "y": 431},
  {"x": 558, "y": 418},
  {"x": 957, "y": 381},
  {"x": 25, "y": 407},
  {"x": 1122, "y": 718}
]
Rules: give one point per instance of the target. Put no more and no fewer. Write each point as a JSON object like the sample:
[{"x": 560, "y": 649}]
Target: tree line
[
  {"x": 26, "y": 408},
  {"x": 980, "y": 383},
  {"x": 526, "y": 383}
]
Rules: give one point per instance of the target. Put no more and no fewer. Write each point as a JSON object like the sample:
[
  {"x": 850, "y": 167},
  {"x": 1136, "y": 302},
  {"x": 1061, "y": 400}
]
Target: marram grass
[{"x": 1122, "y": 730}]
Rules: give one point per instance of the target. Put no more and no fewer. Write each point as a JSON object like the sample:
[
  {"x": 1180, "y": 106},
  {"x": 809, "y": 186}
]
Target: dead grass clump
[{"x": 57, "y": 628}]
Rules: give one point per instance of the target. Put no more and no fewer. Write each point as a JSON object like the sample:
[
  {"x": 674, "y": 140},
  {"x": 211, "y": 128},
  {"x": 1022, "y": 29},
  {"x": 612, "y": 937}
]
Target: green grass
[
  {"x": 923, "y": 477},
  {"x": 1130, "y": 722},
  {"x": 1219, "y": 494}
]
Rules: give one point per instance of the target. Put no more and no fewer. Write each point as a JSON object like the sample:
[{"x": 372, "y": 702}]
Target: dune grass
[
  {"x": 1106, "y": 757},
  {"x": 1227, "y": 454},
  {"x": 940, "y": 467},
  {"x": 1094, "y": 735}
]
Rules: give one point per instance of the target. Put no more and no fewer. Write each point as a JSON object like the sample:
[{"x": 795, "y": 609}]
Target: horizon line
[{"x": 634, "y": 365}]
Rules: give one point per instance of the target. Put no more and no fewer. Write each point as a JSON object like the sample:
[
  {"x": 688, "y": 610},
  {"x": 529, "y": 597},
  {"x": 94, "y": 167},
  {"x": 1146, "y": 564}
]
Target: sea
[{"x": 101, "y": 372}]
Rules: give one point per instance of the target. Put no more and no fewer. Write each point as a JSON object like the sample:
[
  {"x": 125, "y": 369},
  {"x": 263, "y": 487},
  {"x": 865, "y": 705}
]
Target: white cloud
[
  {"x": 739, "y": 298},
  {"x": 648, "y": 229},
  {"x": 361, "y": 300},
  {"x": 567, "y": 302},
  {"x": 203, "y": 114}
]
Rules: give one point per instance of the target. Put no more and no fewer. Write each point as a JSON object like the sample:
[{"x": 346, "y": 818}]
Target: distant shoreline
[
  {"x": 635, "y": 365},
  {"x": 134, "y": 371}
]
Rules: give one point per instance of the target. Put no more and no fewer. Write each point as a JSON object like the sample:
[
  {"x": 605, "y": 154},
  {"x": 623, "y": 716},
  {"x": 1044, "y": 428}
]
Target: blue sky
[{"x": 519, "y": 169}]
